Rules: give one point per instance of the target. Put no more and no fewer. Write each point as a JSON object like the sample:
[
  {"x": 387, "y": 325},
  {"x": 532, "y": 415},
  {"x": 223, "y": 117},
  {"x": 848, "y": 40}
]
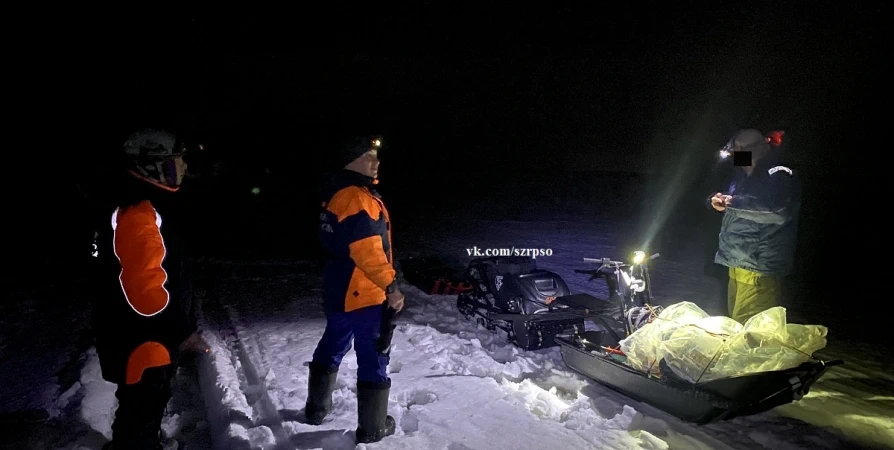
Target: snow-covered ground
[
  {"x": 455, "y": 385},
  {"x": 52, "y": 395}
]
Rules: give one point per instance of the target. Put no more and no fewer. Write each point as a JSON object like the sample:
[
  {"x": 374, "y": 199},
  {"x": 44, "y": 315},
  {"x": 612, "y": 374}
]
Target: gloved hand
[
  {"x": 389, "y": 316},
  {"x": 195, "y": 343},
  {"x": 396, "y": 299}
]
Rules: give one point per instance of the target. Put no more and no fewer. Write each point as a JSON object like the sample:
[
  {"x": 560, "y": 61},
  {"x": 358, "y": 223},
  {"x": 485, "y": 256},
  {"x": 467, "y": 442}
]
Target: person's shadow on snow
[{"x": 325, "y": 439}]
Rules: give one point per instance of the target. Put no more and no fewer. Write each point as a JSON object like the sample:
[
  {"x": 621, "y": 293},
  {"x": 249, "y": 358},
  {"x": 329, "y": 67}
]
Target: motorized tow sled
[{"x": 536, "y": 309}]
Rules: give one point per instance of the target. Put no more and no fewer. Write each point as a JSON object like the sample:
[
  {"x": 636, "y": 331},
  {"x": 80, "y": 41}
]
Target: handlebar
[
  {"x": 609, "y": 262},
  {"x": 604, "y": 261}
]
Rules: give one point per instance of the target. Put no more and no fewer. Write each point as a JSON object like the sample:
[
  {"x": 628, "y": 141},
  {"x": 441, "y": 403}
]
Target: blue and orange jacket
[
  {"x": 355, "y": 231},
  {"x": 142, "y": 310}
]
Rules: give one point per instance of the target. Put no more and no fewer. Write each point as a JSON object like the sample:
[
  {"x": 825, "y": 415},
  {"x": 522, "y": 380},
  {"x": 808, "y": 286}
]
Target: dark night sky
[
  {"x": 571, "y": 82},
  {"x": 589, "y": 88},
  {"x": 503, "y": 92}
]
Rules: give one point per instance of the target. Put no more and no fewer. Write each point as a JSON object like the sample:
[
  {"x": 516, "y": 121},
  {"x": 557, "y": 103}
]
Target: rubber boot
[
  {"x": 320, "y": 385},
  {"x": 373, "y": 421}
]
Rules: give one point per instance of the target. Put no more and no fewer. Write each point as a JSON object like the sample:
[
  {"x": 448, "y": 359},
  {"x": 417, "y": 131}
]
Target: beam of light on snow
[
  {"x": 679, "y": 155},
  {"x": 882, "y": 422},
  {"x": 670, "y": 187}
]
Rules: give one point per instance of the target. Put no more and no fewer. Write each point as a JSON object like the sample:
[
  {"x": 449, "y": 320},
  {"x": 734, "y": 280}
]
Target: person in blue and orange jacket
[
  {"x": 360, "y": 291},
  {"x": 143, "y": 316}
]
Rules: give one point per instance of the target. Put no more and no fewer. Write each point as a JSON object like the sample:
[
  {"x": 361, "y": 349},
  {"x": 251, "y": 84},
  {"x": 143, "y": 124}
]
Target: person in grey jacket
[{"x": 758, "y": 233}]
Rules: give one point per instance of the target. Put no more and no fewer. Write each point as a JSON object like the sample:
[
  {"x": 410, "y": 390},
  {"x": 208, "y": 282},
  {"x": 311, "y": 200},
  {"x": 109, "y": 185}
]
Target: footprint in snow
[
  {"x": 409, "y": 423},
  {"x": 417, "y": 397}
]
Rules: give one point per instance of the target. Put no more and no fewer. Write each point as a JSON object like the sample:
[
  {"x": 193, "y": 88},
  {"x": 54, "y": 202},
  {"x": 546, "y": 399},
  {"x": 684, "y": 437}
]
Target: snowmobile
[
  {"x": 511, "y": 293},
  {"x": 534, "y": 306},
  {"x": 537, "y": 311}
]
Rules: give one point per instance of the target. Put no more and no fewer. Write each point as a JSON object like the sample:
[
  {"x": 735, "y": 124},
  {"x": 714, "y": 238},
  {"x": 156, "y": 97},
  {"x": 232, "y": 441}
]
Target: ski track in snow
[{"x": 456, "y": 386}]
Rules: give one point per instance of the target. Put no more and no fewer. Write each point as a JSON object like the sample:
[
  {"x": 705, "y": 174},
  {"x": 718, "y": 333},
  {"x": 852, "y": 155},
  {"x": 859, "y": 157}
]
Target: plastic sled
[{"x": 701, "y": 403}]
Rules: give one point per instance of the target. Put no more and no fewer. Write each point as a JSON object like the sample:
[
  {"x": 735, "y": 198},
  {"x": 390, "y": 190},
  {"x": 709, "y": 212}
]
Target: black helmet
[{"x": 156, "y": 156}]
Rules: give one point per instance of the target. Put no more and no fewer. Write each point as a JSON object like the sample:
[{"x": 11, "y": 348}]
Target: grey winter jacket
[{"x": 759, "y": 228}]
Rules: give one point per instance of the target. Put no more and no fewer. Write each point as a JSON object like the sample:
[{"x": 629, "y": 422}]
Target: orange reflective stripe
[
  {"x": 369, "y": 256},
  {"x": 140, "y": 250},
  {"x": 154, "y": 182},
  {"x": 148, "y": 354},
  {"x": 351, "y": 200}
]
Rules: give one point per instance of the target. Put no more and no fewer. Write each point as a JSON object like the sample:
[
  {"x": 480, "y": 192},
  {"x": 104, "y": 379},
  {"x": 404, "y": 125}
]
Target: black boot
[
  {"x": 320, "y": 385},
  {"x": 373, "y": 421}
]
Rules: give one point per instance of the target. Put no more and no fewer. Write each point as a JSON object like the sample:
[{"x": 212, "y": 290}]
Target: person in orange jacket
[
  {"x": 143, "y": 316},
  {"x": 360, "y": 291}
]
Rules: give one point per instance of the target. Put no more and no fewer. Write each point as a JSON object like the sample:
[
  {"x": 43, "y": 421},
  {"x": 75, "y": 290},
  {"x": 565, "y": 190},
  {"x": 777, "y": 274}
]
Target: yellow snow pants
[{"x": 750, "y": 293}]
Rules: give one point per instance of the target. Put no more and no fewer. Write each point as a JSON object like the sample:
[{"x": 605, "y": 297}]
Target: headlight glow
[{"x": 639, "y": 257}]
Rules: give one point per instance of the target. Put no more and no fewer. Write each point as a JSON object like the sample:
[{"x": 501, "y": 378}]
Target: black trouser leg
[{"x": 141, "y": 407}]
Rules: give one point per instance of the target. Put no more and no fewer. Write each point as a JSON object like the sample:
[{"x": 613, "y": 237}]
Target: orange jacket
[
  {"x": 142, "y": 308},
  {"x": 355, "y": 231}
]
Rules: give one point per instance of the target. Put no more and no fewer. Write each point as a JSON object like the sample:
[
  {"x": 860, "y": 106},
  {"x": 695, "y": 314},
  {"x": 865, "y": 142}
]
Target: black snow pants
[{"x": 141, "y": 407}]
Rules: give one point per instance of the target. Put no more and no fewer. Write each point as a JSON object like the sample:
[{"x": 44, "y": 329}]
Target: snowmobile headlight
[
  {"x": 377, "y": 143},
  {"x": 639, "y": 257}
]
